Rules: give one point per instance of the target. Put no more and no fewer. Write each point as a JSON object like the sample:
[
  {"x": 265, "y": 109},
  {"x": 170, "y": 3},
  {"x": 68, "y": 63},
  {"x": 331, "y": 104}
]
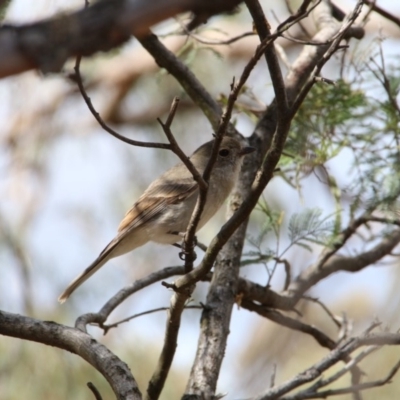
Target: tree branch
[
  {"x": 109, "y": 365},
  {"x": 78, "y": 79},
  {"x": 160, "y": 374},
  {"x": 101, "y": 316},
  {"x": 264, "y": 32},
  {"x": 342, "y": 351},
  {"x": 47, "y": 44},
  {"x": 372, "y": 4},
  {"x": 316, "y": 273},
  {"x": 270, "y": 133},
  {"x": 186, "y": 78}
]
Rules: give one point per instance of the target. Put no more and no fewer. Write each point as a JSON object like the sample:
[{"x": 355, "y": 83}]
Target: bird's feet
[{"x": 183, "y": 254}]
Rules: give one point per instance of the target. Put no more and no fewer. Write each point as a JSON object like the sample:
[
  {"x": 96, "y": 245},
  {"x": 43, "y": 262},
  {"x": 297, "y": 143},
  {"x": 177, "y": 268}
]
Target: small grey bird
[{"x": 166, "y": 206}]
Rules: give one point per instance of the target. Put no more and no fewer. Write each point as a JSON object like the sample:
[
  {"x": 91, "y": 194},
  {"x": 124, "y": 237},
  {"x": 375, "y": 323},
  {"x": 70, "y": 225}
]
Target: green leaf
[{"x": 309, "y": 226}]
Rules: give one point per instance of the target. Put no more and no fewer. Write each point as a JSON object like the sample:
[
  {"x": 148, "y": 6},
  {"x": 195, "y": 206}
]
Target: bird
[{"x": 164, "y": 210}]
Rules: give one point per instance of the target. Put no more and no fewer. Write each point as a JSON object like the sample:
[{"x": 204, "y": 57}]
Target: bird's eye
[{"x": 224, "y": 152}]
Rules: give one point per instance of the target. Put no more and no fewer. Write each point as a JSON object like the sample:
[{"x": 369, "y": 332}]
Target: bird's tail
[
  {"x": 86, "y": 274},
  {"x": 109, "y": 252},
  {"x": 127, "y": 240}
]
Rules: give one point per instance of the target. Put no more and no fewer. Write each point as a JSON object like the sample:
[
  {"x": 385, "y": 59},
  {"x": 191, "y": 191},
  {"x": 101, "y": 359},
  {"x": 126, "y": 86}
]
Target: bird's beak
[{"x": 246, "y": 150}]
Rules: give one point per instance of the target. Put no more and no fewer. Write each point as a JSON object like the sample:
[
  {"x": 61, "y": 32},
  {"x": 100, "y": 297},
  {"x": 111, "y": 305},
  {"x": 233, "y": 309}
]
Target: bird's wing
[
  {"x": 152, "y": 202},
  {"x": 154, "y": 199}
]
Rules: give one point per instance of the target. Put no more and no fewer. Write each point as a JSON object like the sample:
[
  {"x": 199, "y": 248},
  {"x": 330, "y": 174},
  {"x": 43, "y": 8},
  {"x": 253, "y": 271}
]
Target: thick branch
[
  {"x": 160, "y": 374},
  {"x": 192, "y": 86},
  {"x": 264, "y": 31},
  {"x": 273, "y": 315},
  {"x": 215, "y": 326},
  {"x": 110, "y": 366},
  {"x": 316, "y": 273},
  {"x": 341, "y": 352},
  {"x": 47, "y": 44}
]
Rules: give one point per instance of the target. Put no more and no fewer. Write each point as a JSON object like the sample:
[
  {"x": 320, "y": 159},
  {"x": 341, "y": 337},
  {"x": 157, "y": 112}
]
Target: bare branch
[
  {"x": 354, "y": 361},
  {"x": 270, "y": 133},
  {"x": 101, "y": 316},
  {"x": 47, "y": 44},
  {"x": 351, "y": 389},
  {"x": 372, "y": 4},
  {"x": 273, "y": 315},
  {"x": 264, "y": 32},
  {"x": 94, "y": 390},
  {"x": 78, "y": 79},
  {"x": 341, "y": 352},
  {"x": 160, "y": 374},
  {"x": 116, "y": 324},
  {"x": 326, "y": 20},
  {"x": 264, "y": 295},
  {"x": 325, "y": 308},
  {"x": 231, "y": 40},
  {"x": 174, "y": 147},
  {"x": 317, "y": 272},
  {"x": 74, "y": 340},
  {"x": 192, "y": 86},
  {"x": 312, "y": 57}
]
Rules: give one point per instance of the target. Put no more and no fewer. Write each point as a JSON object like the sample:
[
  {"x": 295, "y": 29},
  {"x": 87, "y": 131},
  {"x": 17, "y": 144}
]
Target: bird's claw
[{"x": 184, "y": 254}]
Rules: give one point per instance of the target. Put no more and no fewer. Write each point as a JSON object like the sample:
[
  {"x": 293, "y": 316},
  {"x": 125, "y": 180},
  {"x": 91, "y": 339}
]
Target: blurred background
[{"x": 65, "y": 184}]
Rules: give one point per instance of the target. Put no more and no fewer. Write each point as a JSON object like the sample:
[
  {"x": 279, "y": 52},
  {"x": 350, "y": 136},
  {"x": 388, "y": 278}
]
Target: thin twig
[
  {"x": 342, "y": 238},
  {"x": 94, "y": 390},
  {"x": 325, "y": 308},
  {"x": 78, "y": 79},
  {"x": 222, "y": 128},
  {"x": 291, "y": 11},
  {"x": 341, "y": 352},
  {"x": 154, "y": 310},
  {"x": 381, "y": 11},
  {"x": 288, "y": 269},
  {"x": 199, "y": 39},
  {"x": 302, "y": 12},
  {"x": 384, "y": 80},
  {"x": 101, "y": 316},
  {"x": 329, "y": 52},
  {"x": 337, "y": 375},
  {"x": 351, "y": 389},
  {"x": 273, "y": 315},
  {"x": 313, "y": 274},
  {"x": 175, "y": 148}
]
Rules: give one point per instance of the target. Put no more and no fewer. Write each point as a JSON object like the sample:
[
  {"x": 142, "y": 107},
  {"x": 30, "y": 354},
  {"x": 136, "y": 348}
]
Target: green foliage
[
  {"x": 271, "y": 224},
  {"x": 360, "y": 119},
  {"x": 326, "y": 115},
  {"x": 304, "y": 228},
  {"x": 310, "y": 226},
  {"x": 376, "y": 144},
  {"x": 358, "y": 122}
]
